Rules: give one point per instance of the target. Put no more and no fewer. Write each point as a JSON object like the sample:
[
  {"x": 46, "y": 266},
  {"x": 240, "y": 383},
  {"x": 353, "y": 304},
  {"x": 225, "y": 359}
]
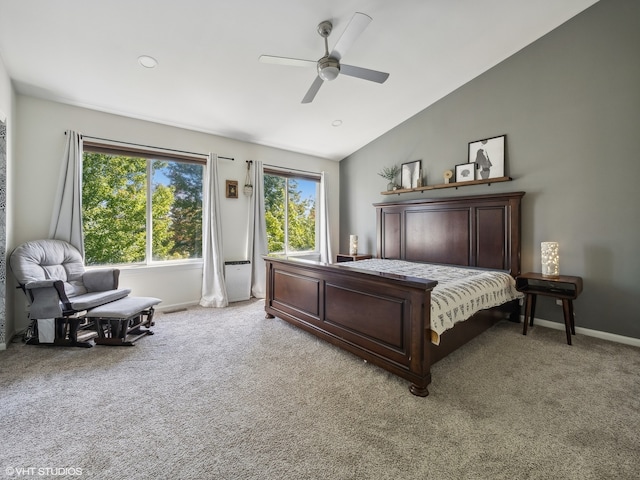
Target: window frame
[
  {"x": 302, "y": 175},
  {"x": 110, "y": 147}
]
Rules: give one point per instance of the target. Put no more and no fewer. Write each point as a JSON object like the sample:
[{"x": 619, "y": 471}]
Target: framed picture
[
  {"x": 465, "y": 172},
  {"x": 488, "y": 155},
  {"x": 232, "y": 189},
  {"x": 411, "y": 174}
]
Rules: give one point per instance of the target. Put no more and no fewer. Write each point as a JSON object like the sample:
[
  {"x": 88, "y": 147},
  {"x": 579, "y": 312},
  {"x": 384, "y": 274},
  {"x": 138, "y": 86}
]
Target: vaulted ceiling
[{"x": 208, "y": 77}]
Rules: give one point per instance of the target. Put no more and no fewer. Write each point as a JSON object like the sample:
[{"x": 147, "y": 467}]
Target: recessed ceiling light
[
  {"x": 336, "y": 123},
  {"x": 147, "y": 62}
]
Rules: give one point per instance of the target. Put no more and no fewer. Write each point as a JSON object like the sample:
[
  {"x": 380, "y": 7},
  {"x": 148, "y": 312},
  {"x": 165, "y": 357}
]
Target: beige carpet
[{"x": 227, "y": 394}]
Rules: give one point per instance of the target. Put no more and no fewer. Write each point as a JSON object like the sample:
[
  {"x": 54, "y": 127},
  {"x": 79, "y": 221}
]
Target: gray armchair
[{"x": 59, "y": 289}]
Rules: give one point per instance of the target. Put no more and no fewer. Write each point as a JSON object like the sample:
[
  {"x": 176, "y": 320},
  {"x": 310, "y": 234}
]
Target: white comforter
[{"x": 460, "y": 292}]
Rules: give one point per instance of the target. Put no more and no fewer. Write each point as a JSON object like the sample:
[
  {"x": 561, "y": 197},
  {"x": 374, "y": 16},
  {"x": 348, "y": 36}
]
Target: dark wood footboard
[{"x": 383, "y": 319}]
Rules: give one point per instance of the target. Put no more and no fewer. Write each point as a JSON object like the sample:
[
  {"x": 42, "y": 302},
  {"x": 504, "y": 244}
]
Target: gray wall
[{"x": 569, "y": 105}]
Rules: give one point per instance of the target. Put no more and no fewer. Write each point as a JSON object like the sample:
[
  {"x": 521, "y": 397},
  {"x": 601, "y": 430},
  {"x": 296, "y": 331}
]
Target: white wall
[{"x": 39, "y": 148}]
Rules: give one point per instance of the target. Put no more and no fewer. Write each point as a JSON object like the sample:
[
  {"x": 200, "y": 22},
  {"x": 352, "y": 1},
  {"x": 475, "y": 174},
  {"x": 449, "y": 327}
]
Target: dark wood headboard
[{"x": 478, "y": 231}]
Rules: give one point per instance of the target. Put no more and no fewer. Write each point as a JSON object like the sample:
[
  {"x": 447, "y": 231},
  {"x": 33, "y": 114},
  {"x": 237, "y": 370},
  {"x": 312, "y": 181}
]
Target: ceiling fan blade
[
  {"x": 356, "y": 26},
  {"x": 364, "y": 73},
  {"x": 295, "y": 62},
  {"x": 311, "y": 93}
]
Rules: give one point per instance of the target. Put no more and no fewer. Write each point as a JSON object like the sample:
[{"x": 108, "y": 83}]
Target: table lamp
[
  {"x": 353, "y": 244},
  {"x": 550, "y": 259}
]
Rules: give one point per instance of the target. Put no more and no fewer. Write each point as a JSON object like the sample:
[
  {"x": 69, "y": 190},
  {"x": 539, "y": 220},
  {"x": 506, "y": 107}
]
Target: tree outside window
[
  {"x": 290, "y": 213},
  {"x": 138, "y": 210}
]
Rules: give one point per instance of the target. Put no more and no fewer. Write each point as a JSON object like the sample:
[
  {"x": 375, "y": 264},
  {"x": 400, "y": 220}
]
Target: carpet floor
[{"x": 228, "y": 394}]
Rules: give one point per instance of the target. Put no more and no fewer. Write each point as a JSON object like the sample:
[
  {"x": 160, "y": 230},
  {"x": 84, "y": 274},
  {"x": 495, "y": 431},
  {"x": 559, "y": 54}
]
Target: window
[
  {"x": 140, "y": 207},
  {"x": 290, "y": 211}
]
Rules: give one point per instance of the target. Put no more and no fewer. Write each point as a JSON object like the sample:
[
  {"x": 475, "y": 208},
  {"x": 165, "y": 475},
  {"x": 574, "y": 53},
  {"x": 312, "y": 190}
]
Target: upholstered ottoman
[{"x": 124, "y": 321}]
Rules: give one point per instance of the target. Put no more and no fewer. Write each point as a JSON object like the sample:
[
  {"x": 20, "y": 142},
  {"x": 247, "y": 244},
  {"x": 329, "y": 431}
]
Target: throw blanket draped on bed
[{"x": 460, "y": 292}]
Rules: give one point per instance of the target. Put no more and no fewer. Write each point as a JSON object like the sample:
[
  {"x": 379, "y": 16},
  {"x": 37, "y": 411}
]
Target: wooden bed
[{"x": 385, "y": 318}]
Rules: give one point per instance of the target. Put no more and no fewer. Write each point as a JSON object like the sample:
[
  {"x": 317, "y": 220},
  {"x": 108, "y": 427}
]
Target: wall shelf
[{"x": 448, "y": 185}]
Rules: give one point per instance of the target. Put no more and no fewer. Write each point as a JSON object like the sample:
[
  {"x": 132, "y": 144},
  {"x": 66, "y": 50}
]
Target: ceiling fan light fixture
[
  {"x": 329, "y": 73},
  {"x": 328, "y": 68}
]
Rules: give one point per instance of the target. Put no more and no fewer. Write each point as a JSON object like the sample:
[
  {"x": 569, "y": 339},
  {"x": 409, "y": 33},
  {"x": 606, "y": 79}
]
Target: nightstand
[
  {"x": 344, "y": 257},
  {"x": 563, "y": 287}
]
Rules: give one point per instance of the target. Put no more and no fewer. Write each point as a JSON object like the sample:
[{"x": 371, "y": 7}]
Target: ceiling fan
[{"x": 329, "y": 65}]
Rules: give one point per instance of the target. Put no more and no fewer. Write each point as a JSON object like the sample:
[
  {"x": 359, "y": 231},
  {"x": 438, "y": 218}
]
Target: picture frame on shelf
[
  {"x": 231, "y": 188},
  {"x": 488, "y": 155},
  {"x": 411, "y": 174},
  {"x": 465, "y": 172}
]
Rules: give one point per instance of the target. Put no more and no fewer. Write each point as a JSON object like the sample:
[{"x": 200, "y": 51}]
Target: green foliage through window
[
  {"x": 290, "y": 213},
  {"x": 116, "y": 191}
]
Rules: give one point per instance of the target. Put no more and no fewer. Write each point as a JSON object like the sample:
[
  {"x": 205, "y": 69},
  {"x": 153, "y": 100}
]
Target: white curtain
[
  {"x": 214, "y": 291},
  {"x": 257, "y": 245},
  {"x": 325, "y": 236},
  {"x": 66, "y": 221}
]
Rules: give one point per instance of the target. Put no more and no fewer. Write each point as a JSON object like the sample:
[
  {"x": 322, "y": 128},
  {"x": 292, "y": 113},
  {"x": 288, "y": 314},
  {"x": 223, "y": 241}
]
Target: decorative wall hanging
[
  {"x": 232, "y": 188},
  {"x": 3, "y": 226},
  {"x": 411, "y": 174},
  {"x": 488, "y": 155},
  {"x": 465, "y": 172},
  {"x": 248, "y": 186}
]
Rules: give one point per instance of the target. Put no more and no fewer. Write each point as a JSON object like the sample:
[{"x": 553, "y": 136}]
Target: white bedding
[{"x": 460, "y": 292}]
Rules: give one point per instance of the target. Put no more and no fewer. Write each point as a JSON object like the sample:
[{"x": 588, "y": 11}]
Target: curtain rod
[
  {"x": 286, "y": 169},
  {"x": 149, "y": 146}
]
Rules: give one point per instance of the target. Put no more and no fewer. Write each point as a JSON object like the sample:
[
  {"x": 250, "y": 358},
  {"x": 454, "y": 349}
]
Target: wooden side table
[
  {"x": 563, "y": 287},
  {"x": 345, "y": 257}
]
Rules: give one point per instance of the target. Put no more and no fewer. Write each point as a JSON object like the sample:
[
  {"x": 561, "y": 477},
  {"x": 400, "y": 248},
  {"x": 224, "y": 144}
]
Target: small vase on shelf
[{"x": 390, "y": 174}]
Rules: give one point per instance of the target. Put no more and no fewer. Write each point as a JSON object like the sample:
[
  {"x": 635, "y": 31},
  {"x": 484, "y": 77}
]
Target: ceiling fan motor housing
[{"x": 328, "y": 68}]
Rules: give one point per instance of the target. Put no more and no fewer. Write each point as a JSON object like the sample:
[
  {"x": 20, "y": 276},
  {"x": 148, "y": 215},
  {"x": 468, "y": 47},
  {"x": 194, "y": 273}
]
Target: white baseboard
[
  {"x": 612, "y": 337},
  {"x": 175, "y": 307}
]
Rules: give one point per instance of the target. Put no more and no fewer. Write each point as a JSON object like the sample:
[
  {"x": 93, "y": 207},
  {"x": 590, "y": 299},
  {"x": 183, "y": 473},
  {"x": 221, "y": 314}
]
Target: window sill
[{"x": 143, "y": 268}]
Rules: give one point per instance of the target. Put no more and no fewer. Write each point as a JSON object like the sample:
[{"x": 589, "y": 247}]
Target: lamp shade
[
  {"x": 550, "y": 259},
  {"x": 353, "y": 244}
]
